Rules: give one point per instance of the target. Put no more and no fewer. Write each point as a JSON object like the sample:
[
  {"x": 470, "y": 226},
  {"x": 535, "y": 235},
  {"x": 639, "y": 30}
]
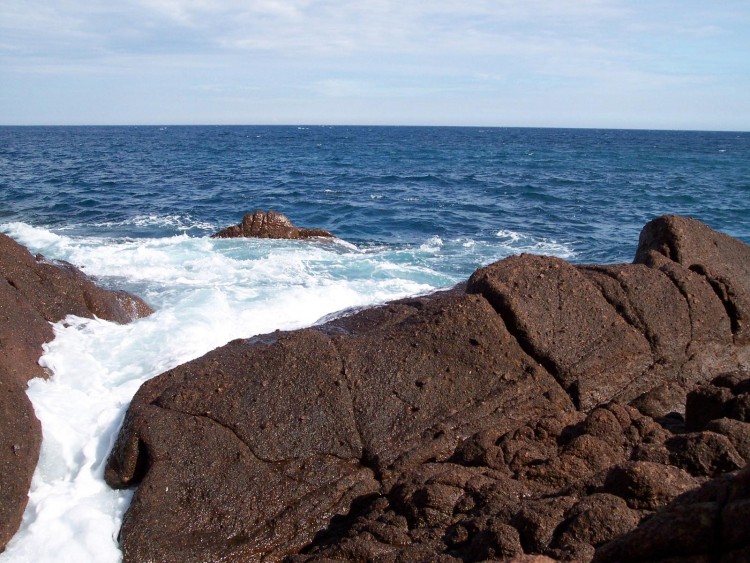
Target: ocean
[{"x": 415, "y": 209}]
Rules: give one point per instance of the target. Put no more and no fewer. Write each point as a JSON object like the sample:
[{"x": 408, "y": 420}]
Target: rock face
[
  {"x": 34, "y": 293},
  {"x": 538, "y": 413},
  {"x": 269, "y": 225}
]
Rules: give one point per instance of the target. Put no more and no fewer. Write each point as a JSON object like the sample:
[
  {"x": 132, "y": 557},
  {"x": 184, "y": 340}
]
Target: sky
[{"x": 647, "y": 64}]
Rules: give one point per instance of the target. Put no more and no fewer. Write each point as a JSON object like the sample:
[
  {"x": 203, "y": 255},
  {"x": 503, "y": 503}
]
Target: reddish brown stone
[
  {"x": 595, "y": 520},
  {"x": 722, "y": 260},
  {"x": 366, "y": 402},
  {"x": 562, "y": 319},
  {"x": 710, "y": 523},
  {"x": 647, "y": 485},
  {"x": 269, "y": 225}
]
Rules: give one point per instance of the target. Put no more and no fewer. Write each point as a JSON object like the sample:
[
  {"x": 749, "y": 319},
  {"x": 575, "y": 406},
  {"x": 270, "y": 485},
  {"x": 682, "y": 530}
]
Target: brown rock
[
  {"x": 595, "y": 520},
  {"x": 269, "y": 225},
  {"x": 722, "y": 260},
  {"x": 562, "y": 319},
  {"x": 649, "y": 301},
  {"x": 537, "y": 521},
  {"x": 20, "y": 439},
  {"x": 739, "y": 408},
  {"x": 737, "y": 381},
  {"x": 706, "y": 403},
  {"x": 57, "y": 289},
  {"x": 709, "y": 321},
  {"x": 35, "y": 292},
  {"x": 711, "y": 523},
  {"x": 647, "y": 485},
  {"x": 663, "y": 402},
  {"x": 737, "y": 431},
  {"x": 530, "y": 559},
  {"x": 704, "y": 454},
  {"x": 494, "y": 540},
  {"x": 677, "y": 531},
  {"x": 359, "y": 408}
]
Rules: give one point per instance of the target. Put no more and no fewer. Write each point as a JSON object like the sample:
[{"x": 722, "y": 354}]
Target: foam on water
[
  {"x": 206, "y": 292},
  {"x": 514, "y": 242}
]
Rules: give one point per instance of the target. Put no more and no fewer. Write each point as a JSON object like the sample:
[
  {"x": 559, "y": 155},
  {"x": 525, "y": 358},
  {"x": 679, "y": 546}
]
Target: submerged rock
[
  {"x": 35, "y": 292},
  {"x": 535, "y": 413},
  {"x": 269, "y": 225}
]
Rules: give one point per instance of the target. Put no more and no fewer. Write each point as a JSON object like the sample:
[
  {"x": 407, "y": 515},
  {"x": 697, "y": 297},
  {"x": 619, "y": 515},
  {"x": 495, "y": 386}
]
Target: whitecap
[
  {"x": 433, "y": 244},
  {"x": 517, "y": 243}
]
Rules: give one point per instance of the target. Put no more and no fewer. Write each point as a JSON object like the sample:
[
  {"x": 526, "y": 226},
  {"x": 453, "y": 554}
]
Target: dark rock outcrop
[
  {"x": 711, "y": 523},
  {"x": 721, "y": 260},
  {"x": 538, "y": 413},
  {"x": 269, "y": 225},
  {"x": 35, "y": 292}
]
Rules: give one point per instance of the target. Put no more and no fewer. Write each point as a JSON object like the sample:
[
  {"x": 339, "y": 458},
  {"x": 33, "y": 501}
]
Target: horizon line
[{"x": 379, "y": 125}]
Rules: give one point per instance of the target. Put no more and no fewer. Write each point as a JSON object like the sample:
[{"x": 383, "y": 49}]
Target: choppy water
[{"x": 415, "y": 209}]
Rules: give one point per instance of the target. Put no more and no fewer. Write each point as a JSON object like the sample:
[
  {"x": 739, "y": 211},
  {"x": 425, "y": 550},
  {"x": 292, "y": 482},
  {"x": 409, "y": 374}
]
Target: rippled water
[{"x": 589, "y": 189}]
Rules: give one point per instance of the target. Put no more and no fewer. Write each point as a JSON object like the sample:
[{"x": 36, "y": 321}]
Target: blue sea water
[
  {"x": 591, "y": 190},
  {"x": 415, "y": 209}
]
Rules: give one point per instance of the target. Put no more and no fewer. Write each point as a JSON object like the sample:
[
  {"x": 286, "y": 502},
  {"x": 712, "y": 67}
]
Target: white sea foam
[
  {"x": 206, "y": 292},
  {"x": 433, "y": 244},
  {"x": 517, "y": 243},
  {"x": 179, "y": 222},
  {"x": 512, "y": 236}
]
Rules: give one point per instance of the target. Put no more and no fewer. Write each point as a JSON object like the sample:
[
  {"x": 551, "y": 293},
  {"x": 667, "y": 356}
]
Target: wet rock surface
[
  {"x": 271, "y": 224},
  {"x": 538, "y": 413},
  {"x": 35, "y": 292}
]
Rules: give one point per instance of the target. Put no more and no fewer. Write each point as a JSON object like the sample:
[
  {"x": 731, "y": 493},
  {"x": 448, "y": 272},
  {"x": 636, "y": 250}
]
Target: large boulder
[
  {"x": 269, "y": 225},
  {"x": 723, "y": 261},
  {"x": 537, "y": 411},
  {"x": 35, "y": 292},
  {"x": 310, "y": 421}
]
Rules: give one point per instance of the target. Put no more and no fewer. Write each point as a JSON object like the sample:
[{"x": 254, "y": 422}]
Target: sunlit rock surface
[{"x": 539, "y": 411}]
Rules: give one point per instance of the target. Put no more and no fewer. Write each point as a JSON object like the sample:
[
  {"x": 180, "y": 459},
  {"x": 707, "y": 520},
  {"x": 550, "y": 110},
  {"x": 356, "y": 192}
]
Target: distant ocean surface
[{"x": 415, "y": 209}]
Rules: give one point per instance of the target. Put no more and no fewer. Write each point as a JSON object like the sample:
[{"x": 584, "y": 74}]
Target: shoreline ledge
[
  {"x": 34, "y": 293},
  {"x": 542, "y": 410}
]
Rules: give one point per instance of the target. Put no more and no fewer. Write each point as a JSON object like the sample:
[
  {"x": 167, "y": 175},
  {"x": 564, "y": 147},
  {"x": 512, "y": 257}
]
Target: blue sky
[{"x": 553, "y": 63}]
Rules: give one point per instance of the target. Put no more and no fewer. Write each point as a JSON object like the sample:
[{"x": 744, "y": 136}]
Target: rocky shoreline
[
  {"x": 537, "y": 412},
  {"x": 35, "y": 292},
  {"x": 540, "y": 411}
]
